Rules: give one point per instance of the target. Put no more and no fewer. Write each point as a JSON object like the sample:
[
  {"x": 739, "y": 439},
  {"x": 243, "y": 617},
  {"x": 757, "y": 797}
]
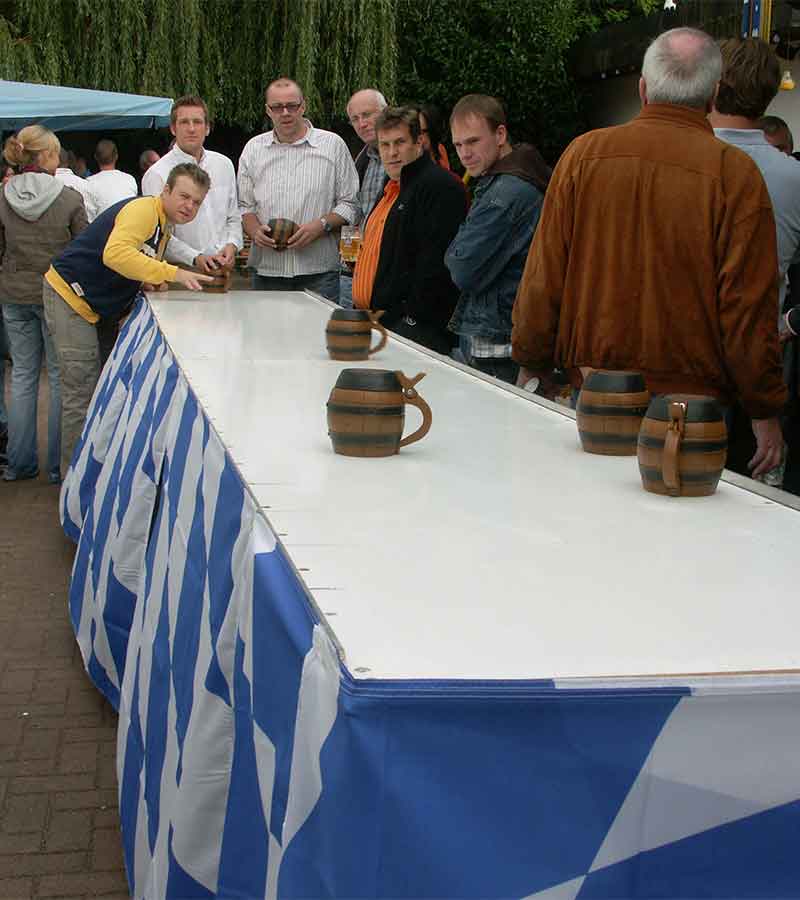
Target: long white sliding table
[{"x": 488, "y": 666}]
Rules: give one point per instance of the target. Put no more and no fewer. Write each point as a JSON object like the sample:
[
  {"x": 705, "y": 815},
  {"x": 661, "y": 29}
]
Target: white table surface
[{"x": 493, "y": 548}]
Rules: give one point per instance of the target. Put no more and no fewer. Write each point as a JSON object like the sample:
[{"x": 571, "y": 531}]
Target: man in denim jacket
[{"x": 487, "y": 256}]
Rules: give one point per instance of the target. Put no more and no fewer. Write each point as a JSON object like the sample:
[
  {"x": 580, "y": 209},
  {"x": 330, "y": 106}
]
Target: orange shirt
[{"x": 367, "y": 265}]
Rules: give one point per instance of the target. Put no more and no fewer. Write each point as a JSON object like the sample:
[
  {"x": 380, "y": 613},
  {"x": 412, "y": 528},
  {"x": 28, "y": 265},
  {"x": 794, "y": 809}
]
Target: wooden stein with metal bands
[
  {"x": 366, "y": 412},
  {"x": 280, "y": 230},
  {"x": 349, "y": 332},
  {"x": 221, "y": 282},
  {"x": 683, "y": 445},
  {"x": 610, "y": 409}
]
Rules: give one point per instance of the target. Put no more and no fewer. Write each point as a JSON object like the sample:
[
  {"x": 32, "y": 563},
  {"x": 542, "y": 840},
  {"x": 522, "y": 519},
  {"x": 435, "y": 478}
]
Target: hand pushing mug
[
  {"x": 349, "y": 332},
  {"x": 366, "y": 412},
  {"x": 220, "y": 281}
]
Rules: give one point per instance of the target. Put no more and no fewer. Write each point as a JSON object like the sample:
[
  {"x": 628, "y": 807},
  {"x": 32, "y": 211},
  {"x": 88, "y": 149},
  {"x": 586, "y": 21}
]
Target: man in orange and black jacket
[{"x": 401, "y": 268}]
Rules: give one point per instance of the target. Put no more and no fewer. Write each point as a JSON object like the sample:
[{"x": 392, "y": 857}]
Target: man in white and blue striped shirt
[{"x": 300, "y": 173}]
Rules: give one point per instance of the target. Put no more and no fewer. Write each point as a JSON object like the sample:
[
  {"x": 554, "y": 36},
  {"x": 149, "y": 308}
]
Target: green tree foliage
[
  {"x": 511, "y": 49},
  {"x": 226, "y": 50},
  {"x": 607, "y": 12}
]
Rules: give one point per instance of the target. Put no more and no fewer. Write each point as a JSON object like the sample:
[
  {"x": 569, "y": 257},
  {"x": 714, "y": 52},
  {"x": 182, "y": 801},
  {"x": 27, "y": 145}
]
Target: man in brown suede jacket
[{"x": 656, "y": 252}]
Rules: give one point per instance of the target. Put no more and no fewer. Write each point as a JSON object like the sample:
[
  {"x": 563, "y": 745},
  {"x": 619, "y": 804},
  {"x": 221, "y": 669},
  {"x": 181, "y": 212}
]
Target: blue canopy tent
[{"x": 76, "y": 109}]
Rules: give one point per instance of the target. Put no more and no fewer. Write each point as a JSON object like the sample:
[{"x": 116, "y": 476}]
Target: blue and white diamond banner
[{"x": 251, "y": 763}]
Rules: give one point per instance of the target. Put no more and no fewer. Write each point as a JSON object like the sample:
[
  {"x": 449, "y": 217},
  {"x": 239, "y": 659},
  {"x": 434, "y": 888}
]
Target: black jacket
[{"x": 412, "y": 279}]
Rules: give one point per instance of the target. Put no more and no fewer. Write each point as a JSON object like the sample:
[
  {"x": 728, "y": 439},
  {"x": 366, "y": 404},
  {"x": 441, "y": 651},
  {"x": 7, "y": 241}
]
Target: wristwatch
[{"x": 326, "y": 225}]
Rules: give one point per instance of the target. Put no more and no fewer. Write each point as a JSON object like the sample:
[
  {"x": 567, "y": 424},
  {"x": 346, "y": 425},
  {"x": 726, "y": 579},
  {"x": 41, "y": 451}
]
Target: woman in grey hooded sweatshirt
[{"x": 39, "y": 216}]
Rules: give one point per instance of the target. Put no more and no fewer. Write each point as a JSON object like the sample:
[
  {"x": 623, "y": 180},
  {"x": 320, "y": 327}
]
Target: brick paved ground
[{"x": 59, "y": 824}]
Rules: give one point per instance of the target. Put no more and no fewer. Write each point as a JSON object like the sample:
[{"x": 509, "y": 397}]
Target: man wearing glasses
[{"x": 303, "y": 174}]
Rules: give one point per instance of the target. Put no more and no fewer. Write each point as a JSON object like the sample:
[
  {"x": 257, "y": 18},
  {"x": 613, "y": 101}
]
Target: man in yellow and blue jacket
[{"x": 101, "y": 272}]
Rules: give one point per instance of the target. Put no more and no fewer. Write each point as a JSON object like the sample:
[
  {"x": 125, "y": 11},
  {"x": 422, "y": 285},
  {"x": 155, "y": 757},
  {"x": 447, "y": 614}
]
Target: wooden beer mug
[
  {"x": 221, "y": 279},
  {"x": 280, "y": 230},
  {"x": 610, "y": 409},
  {"x": 366, "y": 412},
  {"x": 349, "y": 332},
  {"x": 221, "y": 283},
  {"x": 683, "y": 444}
]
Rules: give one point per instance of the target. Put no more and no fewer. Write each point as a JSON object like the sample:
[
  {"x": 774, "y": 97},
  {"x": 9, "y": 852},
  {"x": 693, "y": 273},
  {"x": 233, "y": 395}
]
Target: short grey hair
[
  {"x": 380, "y": 100},
  {"x": 682, "y": 67}
]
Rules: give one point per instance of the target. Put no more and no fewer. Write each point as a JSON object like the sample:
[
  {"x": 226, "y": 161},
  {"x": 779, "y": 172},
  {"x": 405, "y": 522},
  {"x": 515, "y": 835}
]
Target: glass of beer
[{"x": 349, "y": 243}]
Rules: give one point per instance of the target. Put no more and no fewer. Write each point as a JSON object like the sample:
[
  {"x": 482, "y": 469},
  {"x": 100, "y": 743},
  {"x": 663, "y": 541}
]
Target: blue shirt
[
  {"x": 371, "y": 184},
  {"x": 782, "y": 176}
]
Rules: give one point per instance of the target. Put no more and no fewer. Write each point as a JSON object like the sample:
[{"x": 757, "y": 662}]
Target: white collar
[
  {"x": 310, "y": 136},
  {"x": 183, "y": 156}
]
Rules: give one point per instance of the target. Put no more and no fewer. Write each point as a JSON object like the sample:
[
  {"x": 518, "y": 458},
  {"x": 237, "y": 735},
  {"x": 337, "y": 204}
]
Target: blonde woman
[{"x": 39, "y": 216}]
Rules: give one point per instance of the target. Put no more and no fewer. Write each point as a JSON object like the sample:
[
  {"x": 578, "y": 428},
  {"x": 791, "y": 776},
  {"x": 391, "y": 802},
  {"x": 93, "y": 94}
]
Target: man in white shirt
[
  {"x": 215, "y": 236},
  {"x": 300, "y": 173},
  {"x": 109, "y": 185},
  {"x": 66, "y": 176}
]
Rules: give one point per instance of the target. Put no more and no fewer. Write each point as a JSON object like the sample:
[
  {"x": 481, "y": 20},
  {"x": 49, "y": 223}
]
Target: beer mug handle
[
  {"x": 373, "y": 318},
  {"x": 411, "y": 396},
  {"x": 672, "y": 443}
]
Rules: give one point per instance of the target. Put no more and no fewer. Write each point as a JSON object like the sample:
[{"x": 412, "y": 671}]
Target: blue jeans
[
  {"x": 3, "y": 352},
  {"x": 325, "y": 283},
  {"x": 346, "y": 291},
  {"x": 28, "y": 338}
]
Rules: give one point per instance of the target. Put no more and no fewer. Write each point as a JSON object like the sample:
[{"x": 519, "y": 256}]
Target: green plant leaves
[
  {"x": 225, "y": 50},
  {"x": 229, "y": 50}
]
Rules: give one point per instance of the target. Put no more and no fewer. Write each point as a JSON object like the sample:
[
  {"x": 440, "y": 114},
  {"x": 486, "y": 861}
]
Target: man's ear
[{"x": 643, "y": 90}]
